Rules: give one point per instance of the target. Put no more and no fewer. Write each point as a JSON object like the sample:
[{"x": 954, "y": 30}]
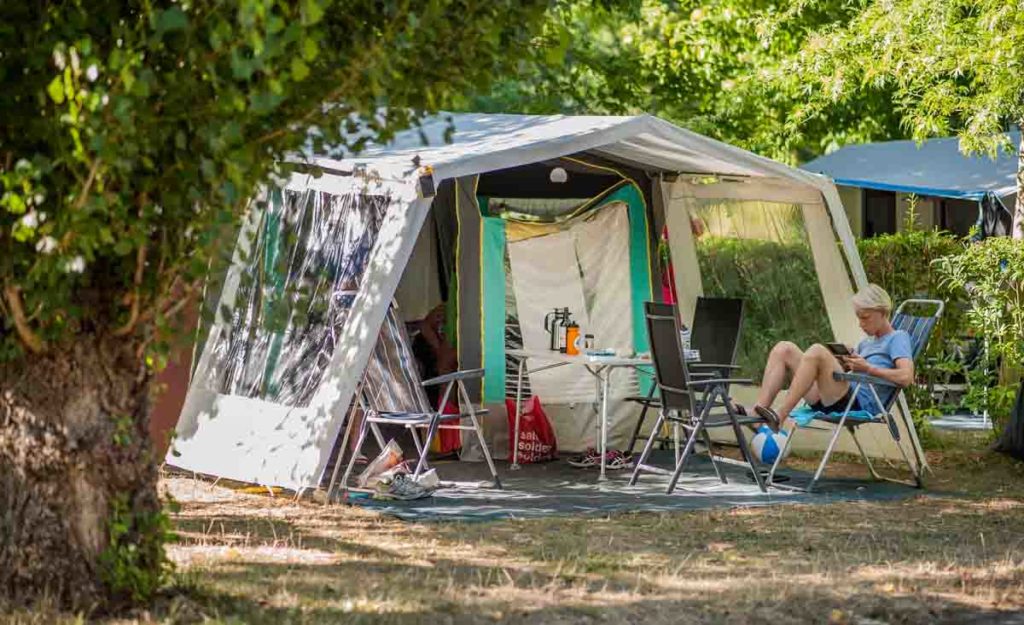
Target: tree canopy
[
  {"x": 708, "y": 65},
  {"x": 131, "y": 133}
]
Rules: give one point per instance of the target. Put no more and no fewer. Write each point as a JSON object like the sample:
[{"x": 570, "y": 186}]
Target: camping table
[{"x": 600, "y": 367}]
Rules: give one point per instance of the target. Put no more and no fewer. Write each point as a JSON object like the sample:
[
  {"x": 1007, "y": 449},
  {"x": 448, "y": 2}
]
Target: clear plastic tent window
[
  {"x": 759, "y": 251},
  {"x": 308, "y": 257}
]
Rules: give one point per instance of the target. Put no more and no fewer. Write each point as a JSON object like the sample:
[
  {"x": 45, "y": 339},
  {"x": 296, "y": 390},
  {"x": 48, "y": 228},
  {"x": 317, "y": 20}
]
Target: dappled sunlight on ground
[{"x": 940, "y": 557}]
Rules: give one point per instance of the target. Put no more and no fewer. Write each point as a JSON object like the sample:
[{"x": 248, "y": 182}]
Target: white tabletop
[{"x": 581, "y": 359}]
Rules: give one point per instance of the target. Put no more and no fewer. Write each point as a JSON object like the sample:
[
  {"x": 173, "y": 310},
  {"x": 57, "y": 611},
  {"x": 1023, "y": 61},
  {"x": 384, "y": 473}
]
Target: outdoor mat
[{"x": 555, "y": 488}]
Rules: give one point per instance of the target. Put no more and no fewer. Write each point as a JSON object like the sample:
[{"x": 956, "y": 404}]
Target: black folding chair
[
  {"x": 717, "y": 322},
  {"x": 686, "y": 401}
]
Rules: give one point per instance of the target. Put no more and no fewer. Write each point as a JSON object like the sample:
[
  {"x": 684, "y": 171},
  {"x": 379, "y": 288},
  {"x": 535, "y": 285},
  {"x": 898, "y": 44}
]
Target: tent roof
[
  {"x": 488, "y": 142},
  {"x": 936, "y": 167}
]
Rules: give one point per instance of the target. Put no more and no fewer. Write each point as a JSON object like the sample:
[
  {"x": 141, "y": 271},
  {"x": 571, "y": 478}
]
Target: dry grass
[{"x": 953, "y": 555}]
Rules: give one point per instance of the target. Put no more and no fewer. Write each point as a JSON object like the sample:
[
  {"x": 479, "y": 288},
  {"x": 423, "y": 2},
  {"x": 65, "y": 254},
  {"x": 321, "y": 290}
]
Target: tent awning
[{"x": 935, "y": 167}]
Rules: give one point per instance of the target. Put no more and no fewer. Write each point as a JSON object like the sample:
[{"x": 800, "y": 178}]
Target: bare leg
[
  {"x": 814, "y": 374},
  {"x": 784, "y": 358}
]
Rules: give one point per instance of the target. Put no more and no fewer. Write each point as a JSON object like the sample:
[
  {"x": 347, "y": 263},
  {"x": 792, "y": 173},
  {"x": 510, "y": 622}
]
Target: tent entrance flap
[{"x": 532, "y": 217}]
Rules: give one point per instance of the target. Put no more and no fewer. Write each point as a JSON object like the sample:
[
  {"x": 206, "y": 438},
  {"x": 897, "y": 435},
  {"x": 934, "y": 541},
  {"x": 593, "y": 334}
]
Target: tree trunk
[
  {"x": 1017, "y": 230},
  {"x": 74, "y": 456}
]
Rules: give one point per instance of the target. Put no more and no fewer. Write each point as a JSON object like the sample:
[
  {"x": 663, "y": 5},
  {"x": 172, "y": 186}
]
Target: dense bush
[
  {"x": 904, "y": 265},
  {"x": 780, "y": 286},
  {"x": 993, "y": 272}
]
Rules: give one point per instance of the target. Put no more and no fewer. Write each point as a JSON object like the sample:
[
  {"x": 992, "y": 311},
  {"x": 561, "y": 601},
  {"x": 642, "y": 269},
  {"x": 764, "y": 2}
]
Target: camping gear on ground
[
  {"x": 614, "y": 460},
  {"x": 715, "y": 341},
  {"x": 389, "y": 457},
  {"x": 393, "y": 363},
  {"x": 573, "y": 342},
  {"x": 555, "y": 323},
  {"x": 404, "y": 486},
  {"x": 688, "y": 403},
  {"x": 536, "y": 441},
  {"x": 920, "y": 329},
  {"x": 1012, "y": 440},
  {"x": 276, "y": 378}
]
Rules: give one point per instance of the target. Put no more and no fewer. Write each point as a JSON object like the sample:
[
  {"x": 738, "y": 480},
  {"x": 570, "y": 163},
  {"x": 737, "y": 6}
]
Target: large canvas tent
[{"x": 466, "y": 209}]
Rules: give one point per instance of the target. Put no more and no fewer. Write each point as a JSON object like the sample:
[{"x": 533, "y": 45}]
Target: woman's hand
[{"x": 856, "y": 363}]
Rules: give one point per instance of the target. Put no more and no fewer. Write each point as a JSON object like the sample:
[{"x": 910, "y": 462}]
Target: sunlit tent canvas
[{"x": 483, "y": 225}]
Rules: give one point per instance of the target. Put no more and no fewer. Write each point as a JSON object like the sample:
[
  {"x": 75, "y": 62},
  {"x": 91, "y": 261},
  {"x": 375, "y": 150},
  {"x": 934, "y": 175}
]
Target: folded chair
[
  {"x": 716, "y": 336},
  {"x": 392, "y": 393},
  {"x": 919, "y": 328},
  {"x": 687, "y": 401}
]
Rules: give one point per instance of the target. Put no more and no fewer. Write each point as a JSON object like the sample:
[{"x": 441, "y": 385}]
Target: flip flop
[{"x": 770, "y": 417}]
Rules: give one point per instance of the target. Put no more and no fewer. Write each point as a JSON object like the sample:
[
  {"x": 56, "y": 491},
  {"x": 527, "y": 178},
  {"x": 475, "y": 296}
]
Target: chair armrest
[
  {"x": 454, "y": 376},
  {"x": 714, "y": 381},
  {"x": 863, "y": 378},
  {"x": 711, "y": 365}
]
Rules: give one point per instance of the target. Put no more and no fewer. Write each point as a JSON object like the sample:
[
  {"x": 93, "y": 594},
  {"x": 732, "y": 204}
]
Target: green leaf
[
  {"x": 310, "y": 49},
  {"x": 299, "y": 69},
  {"x": 56, "y": 89},
  {"x": 312, "y": 11},
  {"x": 170, "y": 20}
]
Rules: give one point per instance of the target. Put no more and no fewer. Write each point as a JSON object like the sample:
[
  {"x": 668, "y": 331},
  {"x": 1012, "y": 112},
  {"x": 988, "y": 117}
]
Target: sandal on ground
[{"x": 770, "y": 417}]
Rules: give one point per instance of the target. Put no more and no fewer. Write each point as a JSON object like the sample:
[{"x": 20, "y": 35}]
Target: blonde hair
[{"x": 872, "y": 297}]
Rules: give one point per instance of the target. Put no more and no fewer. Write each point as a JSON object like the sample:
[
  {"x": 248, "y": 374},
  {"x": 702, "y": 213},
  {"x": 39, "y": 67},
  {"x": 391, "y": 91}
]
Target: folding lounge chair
[
  {"x": 919, "y": 328},
  {"x": 392, "y": 393},
  {"x": 716, "y": 336},
  {"x": 686, "y": 401}
]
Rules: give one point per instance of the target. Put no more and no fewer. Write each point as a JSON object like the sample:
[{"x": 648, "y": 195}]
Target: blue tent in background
[{"x": 933, "y": 168}]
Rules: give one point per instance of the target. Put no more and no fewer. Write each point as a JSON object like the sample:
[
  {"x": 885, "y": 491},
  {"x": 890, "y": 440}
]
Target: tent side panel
[
  {"x": 468, "y": 280},
  {"x": 682, "y": 248},
  {"x": 403, "y": 222}
]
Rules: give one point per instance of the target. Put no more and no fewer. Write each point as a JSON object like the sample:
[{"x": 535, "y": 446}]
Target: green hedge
[
  {"x": 780, "y": 287},
  {"x": 903, "y": 264}
]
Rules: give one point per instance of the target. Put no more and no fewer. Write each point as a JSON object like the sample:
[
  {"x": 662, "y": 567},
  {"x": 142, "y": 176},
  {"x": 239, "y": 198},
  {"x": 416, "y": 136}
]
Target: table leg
[
  {"x": 519, "y": 411},
  {"x": 605, "y": 378}
]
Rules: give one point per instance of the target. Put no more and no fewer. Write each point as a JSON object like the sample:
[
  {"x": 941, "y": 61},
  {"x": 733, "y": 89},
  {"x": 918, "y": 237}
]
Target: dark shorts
[{"x": 838, "y": 406}]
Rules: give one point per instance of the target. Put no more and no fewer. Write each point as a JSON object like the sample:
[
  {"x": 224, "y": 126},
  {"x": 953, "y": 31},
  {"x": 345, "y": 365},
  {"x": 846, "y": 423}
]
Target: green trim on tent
[
  {"x": 639, "y": 256},
  {"x": 492, "y": 296}
]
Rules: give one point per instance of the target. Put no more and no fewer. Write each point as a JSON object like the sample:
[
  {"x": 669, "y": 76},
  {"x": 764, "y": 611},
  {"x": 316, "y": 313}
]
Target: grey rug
[{"x": 555, "y": 488}]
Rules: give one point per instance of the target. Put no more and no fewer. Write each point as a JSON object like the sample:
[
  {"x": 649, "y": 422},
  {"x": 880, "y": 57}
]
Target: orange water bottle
[{"x": 573, "y": 339}]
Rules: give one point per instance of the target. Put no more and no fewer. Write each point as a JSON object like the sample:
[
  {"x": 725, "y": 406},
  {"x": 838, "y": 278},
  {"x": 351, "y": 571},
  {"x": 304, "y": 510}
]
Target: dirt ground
[{"x": 954, "y": 554}]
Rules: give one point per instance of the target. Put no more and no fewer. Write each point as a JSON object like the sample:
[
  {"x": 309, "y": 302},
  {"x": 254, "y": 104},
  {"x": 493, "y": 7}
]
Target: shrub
[
  {"x": 992, "y": 271},
  {"x": 780, "y": 286}
]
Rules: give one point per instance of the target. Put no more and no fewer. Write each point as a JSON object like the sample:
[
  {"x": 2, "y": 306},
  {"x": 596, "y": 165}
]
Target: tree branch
[
  {"x": 31, "y": 340},
  {"x": 133, "y": 316},
  {"x": 84, "y": 195}
]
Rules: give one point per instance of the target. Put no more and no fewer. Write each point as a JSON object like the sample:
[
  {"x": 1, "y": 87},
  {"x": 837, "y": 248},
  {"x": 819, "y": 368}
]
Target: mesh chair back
[
  {"x": 670, "y": 373},
  {"x": 919, "y": 329},
  {"x": 392, "y": 381},
  {"x": 716, "y": 329}
]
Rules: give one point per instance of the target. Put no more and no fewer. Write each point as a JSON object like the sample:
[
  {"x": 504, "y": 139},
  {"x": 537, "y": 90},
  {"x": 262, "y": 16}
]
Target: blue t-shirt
[{"x": 882, "y": 352}]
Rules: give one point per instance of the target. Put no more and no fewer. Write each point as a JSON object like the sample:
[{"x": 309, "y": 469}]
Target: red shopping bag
[
  {"x": 536, "y": 436},
  {"x": 447, "y": 441}
]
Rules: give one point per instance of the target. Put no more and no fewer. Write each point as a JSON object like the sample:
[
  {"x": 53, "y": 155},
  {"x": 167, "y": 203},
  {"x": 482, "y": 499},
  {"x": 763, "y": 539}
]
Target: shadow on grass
[{"x": 917, "y": 562}]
